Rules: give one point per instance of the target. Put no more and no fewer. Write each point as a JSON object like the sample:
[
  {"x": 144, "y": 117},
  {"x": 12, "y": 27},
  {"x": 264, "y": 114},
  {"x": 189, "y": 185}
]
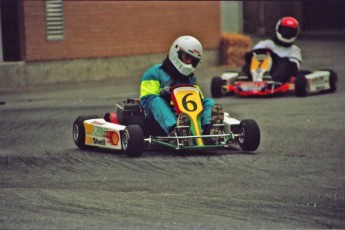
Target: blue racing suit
[{"x": 152, "y": 83}]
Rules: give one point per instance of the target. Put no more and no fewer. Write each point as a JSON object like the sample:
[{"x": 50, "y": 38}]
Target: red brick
[{"x": 119, "y": 28}]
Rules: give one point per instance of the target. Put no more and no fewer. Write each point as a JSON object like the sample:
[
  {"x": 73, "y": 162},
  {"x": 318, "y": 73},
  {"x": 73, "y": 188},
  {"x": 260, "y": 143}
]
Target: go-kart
[
  {"x": 129, "y": 130},
  {"x": 260, "y": 82}
]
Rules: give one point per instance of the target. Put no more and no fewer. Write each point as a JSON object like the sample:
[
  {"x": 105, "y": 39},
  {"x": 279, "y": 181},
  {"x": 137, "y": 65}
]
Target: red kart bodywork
[{"x": 260, "y": 88}]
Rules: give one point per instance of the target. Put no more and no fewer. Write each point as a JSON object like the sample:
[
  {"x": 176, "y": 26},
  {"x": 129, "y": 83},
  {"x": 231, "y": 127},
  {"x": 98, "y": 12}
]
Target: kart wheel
[
  {"x": 301, "y": 86},
  {"x": 333, "y": 80},
  {"x": 132, "y": 141},
  {"x": 249, "y": 138},
  {"x": 216, "y": 87},
  {"x": 79, "y": 130}
]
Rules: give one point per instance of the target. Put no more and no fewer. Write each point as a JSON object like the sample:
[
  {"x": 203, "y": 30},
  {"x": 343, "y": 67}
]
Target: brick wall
[{"x": 119, "y": 28}]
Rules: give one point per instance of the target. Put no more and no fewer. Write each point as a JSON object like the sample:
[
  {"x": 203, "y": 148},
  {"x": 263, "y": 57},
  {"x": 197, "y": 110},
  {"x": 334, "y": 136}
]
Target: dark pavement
[{"x": 295, "y": 180}]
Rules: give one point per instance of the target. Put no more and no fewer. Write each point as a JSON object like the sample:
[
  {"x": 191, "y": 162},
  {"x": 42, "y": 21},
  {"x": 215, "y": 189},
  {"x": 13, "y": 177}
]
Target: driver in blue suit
[{"x": 177, "y": 68}]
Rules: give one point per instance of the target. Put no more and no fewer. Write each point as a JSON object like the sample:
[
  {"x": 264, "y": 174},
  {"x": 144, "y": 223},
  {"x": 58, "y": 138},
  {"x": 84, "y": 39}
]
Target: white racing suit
[{"x": 286, "y": 60}]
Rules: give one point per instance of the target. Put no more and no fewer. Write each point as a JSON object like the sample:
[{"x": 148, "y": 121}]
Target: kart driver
[
  {"x": 177, "y": 68},
  {"x": 285, "y": 54}
]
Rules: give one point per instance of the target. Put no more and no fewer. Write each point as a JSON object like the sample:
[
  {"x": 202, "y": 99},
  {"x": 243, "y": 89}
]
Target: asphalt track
[{"x": 295, "y": 180}]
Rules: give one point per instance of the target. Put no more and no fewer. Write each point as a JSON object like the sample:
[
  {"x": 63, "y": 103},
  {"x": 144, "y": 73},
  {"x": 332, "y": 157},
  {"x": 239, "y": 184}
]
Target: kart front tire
[
  {"x": 249, "y": 139},
  {"x": 132, "y": 141},
  {"x": 216, "y": 87},
  {"x": 301, "y": 85},
  {"x": 79, "y": 130}
]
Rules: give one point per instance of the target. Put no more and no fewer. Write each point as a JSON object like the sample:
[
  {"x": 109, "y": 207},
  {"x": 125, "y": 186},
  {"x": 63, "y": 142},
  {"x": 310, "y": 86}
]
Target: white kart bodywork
[
  {"x": 101, "y": 133},
  {"x": 230, "y": 122},
  {"x": 318, "y": 81},
  {"x": 229, "y": 76}
]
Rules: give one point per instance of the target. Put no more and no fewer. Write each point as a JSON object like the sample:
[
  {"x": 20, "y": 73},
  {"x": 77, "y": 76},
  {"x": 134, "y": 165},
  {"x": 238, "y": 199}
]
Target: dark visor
[
  {"x": 183, "y": 55},
  {"x": 287, "y": 32}
]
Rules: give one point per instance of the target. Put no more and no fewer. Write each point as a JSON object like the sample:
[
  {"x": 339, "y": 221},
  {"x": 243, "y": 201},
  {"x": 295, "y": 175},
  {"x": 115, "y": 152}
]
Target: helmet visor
[
  {"x": 287, "y": 32},
  {"x": 188, "y": 59}
]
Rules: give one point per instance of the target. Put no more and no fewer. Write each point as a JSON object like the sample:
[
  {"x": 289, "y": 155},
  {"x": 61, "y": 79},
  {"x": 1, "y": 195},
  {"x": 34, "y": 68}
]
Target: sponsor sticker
[
  {"x": 113, "y": 137},
  {"x": 97, "y": 141}
]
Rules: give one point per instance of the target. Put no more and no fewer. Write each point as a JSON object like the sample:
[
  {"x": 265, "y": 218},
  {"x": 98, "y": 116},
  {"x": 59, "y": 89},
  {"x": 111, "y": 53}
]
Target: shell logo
[{"x": 113, "y": 138}]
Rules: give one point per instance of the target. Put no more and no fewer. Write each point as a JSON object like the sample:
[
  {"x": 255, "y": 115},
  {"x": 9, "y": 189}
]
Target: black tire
[
  {"x": 333, "y": 81},
  {"x": 216, "y": 87},
  {"x": 250, "y": 135},
  {"x": 79, "y": 130},
  {"x": 301, "y": 85},
  {"x": 132, "y": 141}
]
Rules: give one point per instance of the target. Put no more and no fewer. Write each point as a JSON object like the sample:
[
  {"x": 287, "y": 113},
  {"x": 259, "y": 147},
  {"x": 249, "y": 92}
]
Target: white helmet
[
  {"x": 182, "y": 46},
  {"x": 287, "y": 29}
]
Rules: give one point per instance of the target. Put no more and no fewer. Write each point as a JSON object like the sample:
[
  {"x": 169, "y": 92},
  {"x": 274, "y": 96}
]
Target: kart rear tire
[
  {"x": 132, "y": 141},
  {"x": 250, "y": 135},
  {"x": 79, "y": 130},
  {"x": 216, "y": 87},
  {"x": 301, "y": 89}
]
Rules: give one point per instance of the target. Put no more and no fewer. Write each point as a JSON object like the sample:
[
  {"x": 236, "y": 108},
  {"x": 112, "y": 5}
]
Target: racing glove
[{"x": 166, "y": 93}]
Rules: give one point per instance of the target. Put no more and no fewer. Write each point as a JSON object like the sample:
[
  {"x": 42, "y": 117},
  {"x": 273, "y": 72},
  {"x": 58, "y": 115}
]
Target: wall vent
[{"x": 54, "y": 20}]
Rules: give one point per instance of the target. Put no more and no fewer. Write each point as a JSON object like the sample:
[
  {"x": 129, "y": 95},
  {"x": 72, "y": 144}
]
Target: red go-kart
[{"x": 261, "y": 84}]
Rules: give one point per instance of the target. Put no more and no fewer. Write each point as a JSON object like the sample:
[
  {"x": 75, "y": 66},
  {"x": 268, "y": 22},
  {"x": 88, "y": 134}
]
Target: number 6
[{"x": 185, "y": 103}]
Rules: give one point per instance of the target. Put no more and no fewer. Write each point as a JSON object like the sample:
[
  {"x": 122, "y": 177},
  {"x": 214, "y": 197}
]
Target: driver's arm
[{"x": 150, "y": 85}]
